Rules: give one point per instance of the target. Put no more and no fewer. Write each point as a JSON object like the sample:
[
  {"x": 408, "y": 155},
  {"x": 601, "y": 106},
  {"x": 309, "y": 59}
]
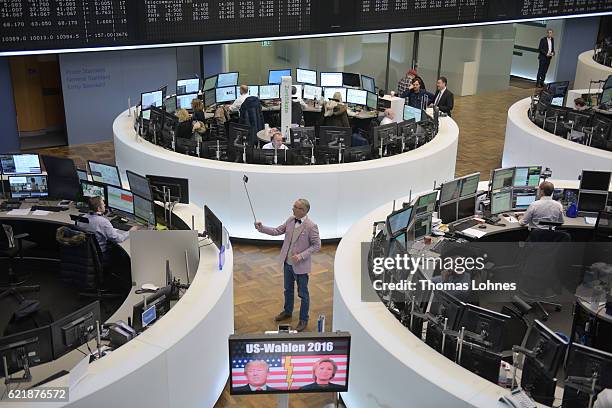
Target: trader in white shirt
[
  {"x": 544, "y": 209},
  {"x": 244, "y": 93},
  {"x": 389, "y": 117},
  {"x": 276, "y": 141}
]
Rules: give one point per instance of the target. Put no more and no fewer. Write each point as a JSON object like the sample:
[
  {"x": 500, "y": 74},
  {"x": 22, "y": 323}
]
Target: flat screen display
[
  {"x": 306, "y": 76},
  {"x": 227, "y": 94},
  {"x": 502, "y": 178},
  {"x": 450, "y": 191},
  {"x": 469, "y": 185},
  {"x": 149, "y": 99},
  {"x": 501, "y": 201},
  {"x": 521, "y": 198},
  {"x": 426, "y": 203},
  {"x": 466, "y": 207},
  {"x": 20, "y": 163},
  {"x": 527, "y": 176},
  {"x": 329, "y": 93},
  {"x": 275, "y": 76},
  {"x": 331, "y": 79},
  {"x": 267, "y": 92},
  {"x": 104, "y": 173},
  {"x": 187, "y": 86},
  {"x": 30, "y": 186},
  {"x": 91, "y": 190},
  {"x": 595, "y": 180},
  {"x": 422, "y": 226},
  {"x": 592, "y": 202},
  {"x": 144, "y": 210},
  {"x": 139, "y": 185},
  {"x": 120, "y": 199},
  {"x": 227, "y": 79},
  {"x": 357, "y": 96},
  {"x": 210, "y": 97},
  {"x": 253, "y": 90},
  {"x": 412, "y": 113},
  {"x": 170, "y": 104},
  {"x": 210, "y": 83},
  {"x": 184, "y": 101},
  {"x": 312, "y": 92},
  {"x": 398, "y": 221},
  {"x": 350, "y": 79},
  {"x": 372, "y": 100},
  {"x": 368, "y": 83}
]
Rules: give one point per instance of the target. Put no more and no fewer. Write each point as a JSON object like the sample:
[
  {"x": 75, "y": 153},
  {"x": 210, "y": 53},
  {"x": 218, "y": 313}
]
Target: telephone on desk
[{"x": 518, "y": 399}]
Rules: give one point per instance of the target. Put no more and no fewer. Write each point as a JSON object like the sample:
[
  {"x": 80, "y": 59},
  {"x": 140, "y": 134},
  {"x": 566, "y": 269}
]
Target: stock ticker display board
[{"x": 31, "y": 25}]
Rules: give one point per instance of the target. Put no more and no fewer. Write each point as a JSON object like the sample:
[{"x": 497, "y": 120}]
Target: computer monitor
[
  {"x": 523, "y": 197},
  {"x": 328, "y": 93},
  {"x": 595, "y": 180},
  {"x": 275, "y": 76},
  {"x": 239, "y": 133},
  {"x": 227, "y": 94},
  {"x": 527, "y": 176},
  {"x": 312, "y": 92},
  {"x": 144, "y": 210},
  {"x": 422, "y": 226},
  {"x": 469, "y": 185},
  {"x": 82, "y": 174},
  {"x": 149, "y": 315},
  {"x": 306, "y": 76},
  {"x": 466, "y": 207},
  {"x": 268, "y": 156},
  {"x": 160, "y": 300},
  {"x": 501, "y": 201},
  {"x": 444, "y": 305},
  {"x": 30, "y": 186},
  {"x": 350, "y": 79},
  {"x": 91, "y": 189},
  {"x": 538, "y": 383},
  {"x": 426, "y": 203},
  {"x": 187, "y": 86},
  {"x": 302, "y": 136},
  {"x": 484, "y": 327},
  {"x": 587, "y": 362},
  {"x": 146, "y": 114},
  {"x": 213, "y": 227},
  {"x": 184, "y": 101},
  {"x": 407, "y": 128},
  {"x": 62, "y": 178},
  {"x": 170, "y": 104},
  {"x": 412, "y": 113},
  {"x": 592, "y": 203},
  {"x": 547, "y": 346},
  {"x": 253, "y": 90},
  {"x": 25, "y": 163},
  {"x": 448, "y": 212},
  {"x": 368, "y": 83},
  {"x": 25, "y": 349},
  {"x": 209, "y": 83},
  {"x": 450, "y": 190},
  {"x": 332, "y": 136},
  {"x": 179, "y": 188},
  {"x": 268, "y": 92},
  {"x": 104, "y": 173},
  {"x": 383, "y": 134},
  {"x": 330, "y": 79},
  {"x": 154, "y": 98},
  {"x": 606, "y": 96},
  {"x": 139, "y": 185},
  {"x": 398, "y": 221},
  {"x": 502, "y": 178},
  {"x": 558, "y": 89},
  {"x": 120, "y": 199},
  {"x": 357, "y": 96},
  {"x": 372, "y": 101},
  {"x": 76, "y": 329},
  {"x": 421, "y": 293},
  {"x": 227, "y": 79},
  {"x": 210, "y": 97}
]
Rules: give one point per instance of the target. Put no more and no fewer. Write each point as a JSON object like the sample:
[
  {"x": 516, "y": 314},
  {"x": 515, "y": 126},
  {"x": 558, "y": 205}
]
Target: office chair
[
  {"x": 603, "y": 227},
  {"x": 296, "y": 113},
  {"x": 12, "y": 247},
  {"x": 81, "y": 263}
]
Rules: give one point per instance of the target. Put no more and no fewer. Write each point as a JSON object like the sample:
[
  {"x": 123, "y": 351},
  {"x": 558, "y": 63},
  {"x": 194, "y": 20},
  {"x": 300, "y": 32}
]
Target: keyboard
[
  {"x": 52, "y": 208},
  {"x": 443, "y": 245},
  {"x": 123, "y": 226},
  {"x": 463, "y": 225}
]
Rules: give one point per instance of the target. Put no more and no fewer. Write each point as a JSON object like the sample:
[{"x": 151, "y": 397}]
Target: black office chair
[
  {"x": 81, "y": 263},
  {"x": 296, "y": 113},
  {"x": 603, "y": 227},
  {"x": 13, "y": 246}
]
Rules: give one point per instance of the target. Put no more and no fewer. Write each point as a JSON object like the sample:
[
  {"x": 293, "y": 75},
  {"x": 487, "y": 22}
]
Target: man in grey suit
[{"x": 301, "y": 241}]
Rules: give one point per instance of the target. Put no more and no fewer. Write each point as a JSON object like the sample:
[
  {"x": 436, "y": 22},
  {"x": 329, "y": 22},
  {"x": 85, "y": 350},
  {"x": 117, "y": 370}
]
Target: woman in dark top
[
  {"x": 185, "y": 126},
  {"x": 197, "y": 108},
  {"x": 323, "y": 371}
]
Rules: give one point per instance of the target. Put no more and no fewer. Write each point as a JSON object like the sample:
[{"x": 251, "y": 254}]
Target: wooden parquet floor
[{"x": 258, "y": 281}]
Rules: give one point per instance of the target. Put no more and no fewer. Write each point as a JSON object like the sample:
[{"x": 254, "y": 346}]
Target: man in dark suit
[
  {"x": 256, "y": 372},
  {"x": 301, "y": 241},
  {"x": 444, "y": 98},
  {"x": 546, "y": 50}
]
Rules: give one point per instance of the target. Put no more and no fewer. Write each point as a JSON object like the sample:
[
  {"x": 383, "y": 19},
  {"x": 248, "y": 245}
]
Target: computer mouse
[
  {"x": 149, "y": 286},
  {"x": 482, "y": 226}
]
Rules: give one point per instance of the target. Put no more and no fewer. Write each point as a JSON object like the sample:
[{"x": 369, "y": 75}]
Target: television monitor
[
  {"x": 447, "y": 212},
  {"x": 523, "y": 197},
  {"x": 227, "y": 79},
  {"x": 606, "y": 96},
  {"x": 368, "y": 84},
  {"x": 398, "y": 221},
  {"x": 469, "y": 185},
  {"x": 25, "y": 349},
  {"x": 25, "y": 163},
  {"x": 91, "y": 189},
  {"x": 426, "y": 203},
  {"x": 75, "y": 329},
  {"x": 268, "y": 92},
  {"x": 586, "y": 362},
  {"x": 154, "y": 98},
  {"x": 332, "y": 136},
  {"x": 179, "y": 188},
  {"x": 557, "y": 101},
  {"x": 466, "y": 207},
  {"x": 502, "y": 178},
  {"x": 187, "y": 86},
  {"x": 329, "y": 92},
  {"x": 558, "y": 89},
  {"x": 407, "y": 128},
  {"x": 312, "y": 92},
  {"x": 209, "y": 83},
  {"x": 444, "y": 305},
  {"x": 28, "y": 186},
  {"x": 538, "y": 383},
  {"x": 484, "y": 327},
  {"x": 330, "y": 79},
  {"x": 144, "y": 210},
  {"x": 595, "y": 180},
  {"x": 239, "y": 133},
  {"x": 372, "y": 100},
  {"x": 120, "y": 199},
  {"x": 412, "y": 113},
  {"x": 104, "y": 173},
  {"x": 527, "y": 176},
  {"x": 302, "y": 136},
  {"x": 450, "y": 190},
  {"x": 275, "y": 76},
  {"x": 148, "y": 316},
  {"x": 82, "y": 174},
  {"x": 357, "y": 97},
  {"x": 210, "y": 97},
  {"x": 383, "y": 134},
  {"x": 170, "y": 104},
  {"x": 146, "y": 114},
  {"x": 227, "y": 94},
  {"x": 160, "y": 299},
  {"x": 213, "y": 227},
  {"x": 184, "y": 101},
  {"x": 422, "y": 226},
  {"x": 139, "y": 185},
  {"x": 592, "y": 202},
  {"x": 289, "y": 363},
  {"x": 547, "y": 346},
  {"x": 350, "y": 79},
  {"x": 62, "y": 178},
  {"x": 306, "y": 76},
  {"x": 480, "y": 361},
  {"x": 501, "y": 201}
]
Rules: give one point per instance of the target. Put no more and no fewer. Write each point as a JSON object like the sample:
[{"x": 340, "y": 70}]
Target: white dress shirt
[
  {"x": 270, "y": 146},
  {"x": 104, "y": 231},
  {"x": 386, "y": 120},
  {"x": 238, "y": 103},
  {"x": 544, "y": 209},
  {"x": 549, "y": 40}
]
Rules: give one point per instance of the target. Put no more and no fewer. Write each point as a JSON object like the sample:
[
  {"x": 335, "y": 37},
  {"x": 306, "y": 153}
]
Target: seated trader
[
  {"x": 102, "y": 228},
  {"x": 417, "y": 96},
  {"x": 544, "y": 209},
  {"x": 389, "y": 117},
  {"x": 459, "y": 278},
  {"x": 276, "y": 141},
  {"x": 443, "y": 99},
  {"x": 185, "y": 125},
  {"x": 244, "y": 93},
  {"x": 334, "y": 112},
  {"x": 580, "y": 104}
]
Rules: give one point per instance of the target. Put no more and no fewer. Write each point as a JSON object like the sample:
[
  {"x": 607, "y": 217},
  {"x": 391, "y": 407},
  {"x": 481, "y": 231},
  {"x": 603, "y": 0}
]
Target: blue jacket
[
  {"x": 414, "y": 98},
  {"x": 250, "y": 114}
]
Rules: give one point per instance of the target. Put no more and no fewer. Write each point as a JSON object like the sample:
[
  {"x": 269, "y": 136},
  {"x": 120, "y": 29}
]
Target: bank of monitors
[
  {"x": 502, "y": 178},
  {"x": 586, "y": 363},
  {"x": 25, "y": 163},
  {"x": 91, "y": 189},
  {"x": 25, "y": 349},
  {"x": 76, "y": 329},
  {"x": 593, "y": 192},
  {"x": 262, "y": 364},
  {"x": 120, "y": 199},
  {"x": 458, "y": 198},
  {"x": 412, "y": 113},
  {"x": 426, "y": 203},
  {"x": 184, "y": 101},
  {"x": 104, "y": 173},
  {"x": 213, "y": 227},
  {"x": 269, "y": 92},
  {"x": 501, "y": 201},
  {"x": 275, "y": 76},
  {"x": 331, "y": 79},
  {"x": 226, "y": 94},
  {"x": 357, "y": 97},
  {"x": 368, "y": 84},
  {"x": 187, "y": 86},
  {"x": 333, "y": 136},
  {"x": 148, "y": 99},
  {"x": 527, "y": 176},
  {"x": 329, "y": 92},
  {"x": 227, "y": 79},
  {"x": 312, "y": 92},
  {"x": 422, "y": 226},
  {"x": 397, "y": 222},
  {"x": 28, "y": 186},
  {"x": 372, "y": 100},
  {"x": 177, "y": 187},
  {"x": 62, "y": 178},
  {"x": 306, "y": 76},
  {"x": 350, "y": 79}
]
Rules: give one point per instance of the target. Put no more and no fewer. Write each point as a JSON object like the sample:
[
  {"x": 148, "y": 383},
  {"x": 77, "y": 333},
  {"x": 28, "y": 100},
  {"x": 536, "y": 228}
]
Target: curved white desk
[
  {"x": 180, "y": 361},
  {"x": 526, "y": 144},
  {"x": 339, "y": 193},
  {"x": 588, "y": 70}
]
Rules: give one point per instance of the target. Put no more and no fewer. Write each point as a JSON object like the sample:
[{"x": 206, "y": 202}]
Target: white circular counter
[
  {"x": 587, "y": 69},
  {"x": 339, "y": 194},
  {"x": 526, "y": 143}
]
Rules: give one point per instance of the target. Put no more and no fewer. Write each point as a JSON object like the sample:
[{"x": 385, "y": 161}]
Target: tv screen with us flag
[{"x": 289, "y": 363}]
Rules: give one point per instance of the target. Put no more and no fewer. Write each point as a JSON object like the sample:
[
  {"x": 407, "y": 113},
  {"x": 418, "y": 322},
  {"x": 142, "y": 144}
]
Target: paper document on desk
[
  {"x": 474, "y": 233},
  {"x": 511, "y": 219},
  {"x": 19, "y": 211},
  {"x": 590, "y": 220},
  {"x": 41, "y": 212}
]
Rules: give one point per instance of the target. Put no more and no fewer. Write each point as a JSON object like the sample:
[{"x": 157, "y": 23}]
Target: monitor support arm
[
  {"x": 588, "y": 385},
  {"x": 26, "y": 377}
]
